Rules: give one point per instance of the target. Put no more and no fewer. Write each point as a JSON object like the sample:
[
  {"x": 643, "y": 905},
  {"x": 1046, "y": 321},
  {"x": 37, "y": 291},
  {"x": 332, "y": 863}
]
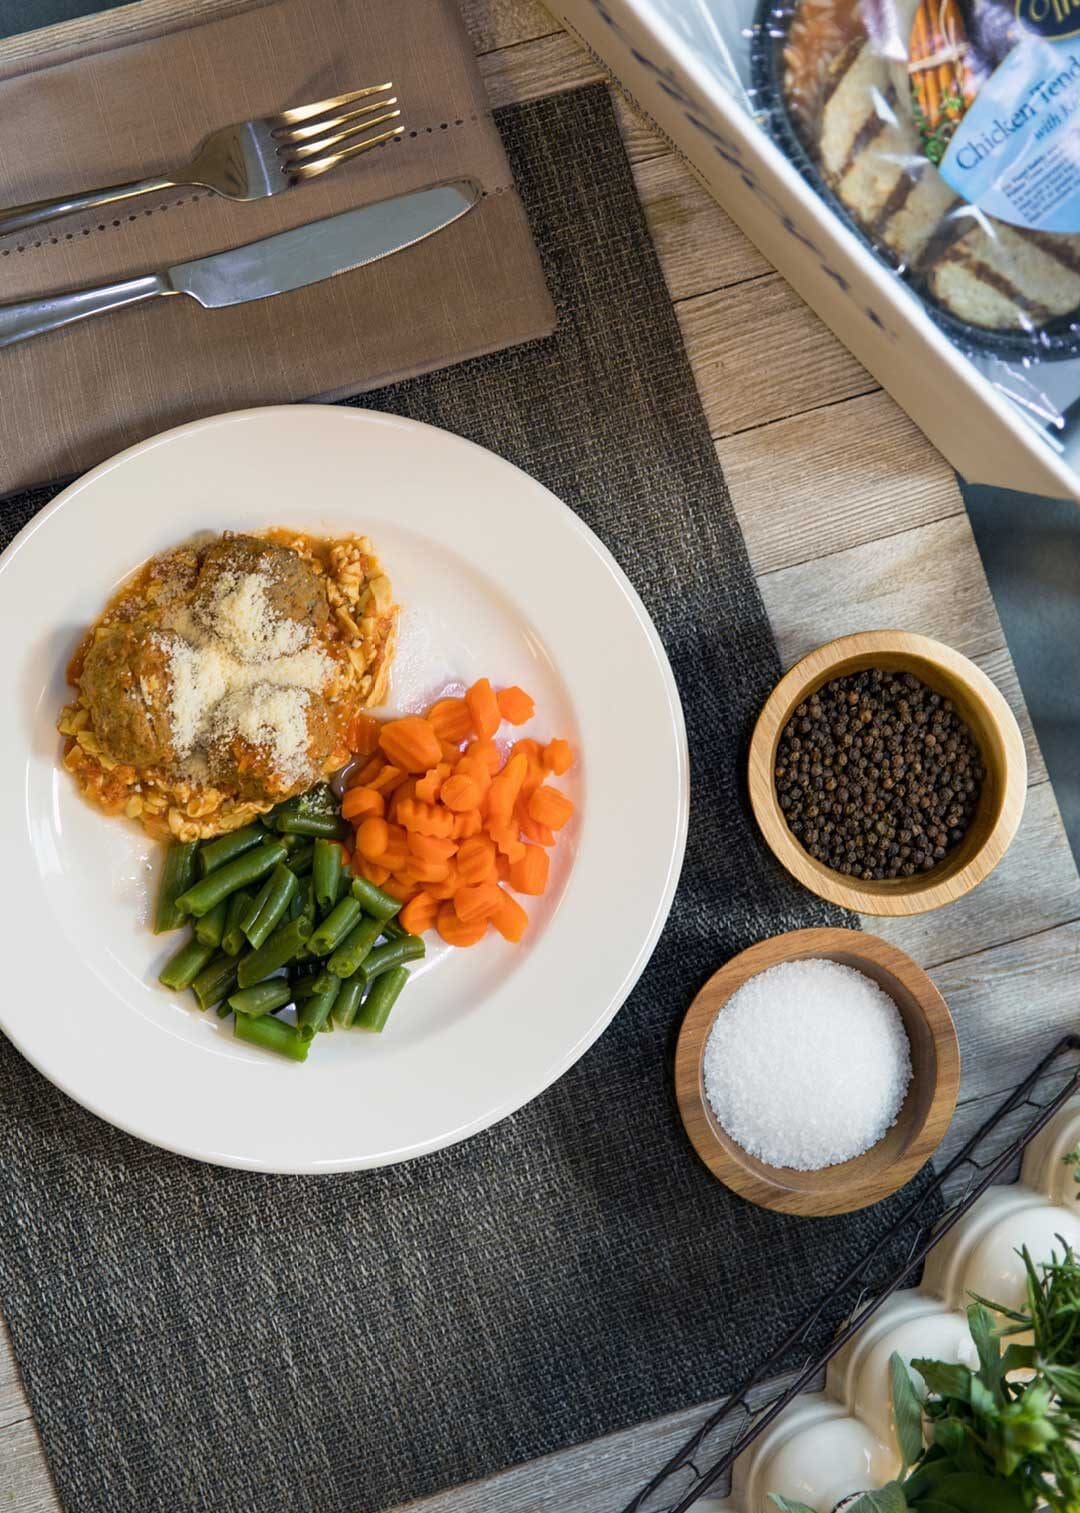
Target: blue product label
[{"x": 1016, "y": 152}]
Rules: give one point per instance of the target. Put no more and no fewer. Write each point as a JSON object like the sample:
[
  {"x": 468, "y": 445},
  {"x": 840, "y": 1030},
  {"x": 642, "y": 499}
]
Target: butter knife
[{"x": 289, "y": 260}]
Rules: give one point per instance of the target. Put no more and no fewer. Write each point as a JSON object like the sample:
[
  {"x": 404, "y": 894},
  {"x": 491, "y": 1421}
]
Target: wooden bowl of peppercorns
[{"x": 887, "y": 773}]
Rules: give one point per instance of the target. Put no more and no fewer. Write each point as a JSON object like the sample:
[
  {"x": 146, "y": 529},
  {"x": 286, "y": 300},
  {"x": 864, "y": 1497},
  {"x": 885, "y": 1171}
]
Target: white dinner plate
[{"x": 496, "y": 577}]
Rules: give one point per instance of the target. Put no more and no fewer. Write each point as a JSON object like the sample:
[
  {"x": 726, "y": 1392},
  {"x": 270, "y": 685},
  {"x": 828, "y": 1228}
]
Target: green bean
[
  {"x": 302, "y": 987},
  {"x": 334, "y": 928},
  {"x": 348, "y": 1000},
  {"x": 300, "y": 860},
  {"x": 381, "y": 999},
  {"x": 272, "y": 1034},
  {"x": 356, "y": 945},
  {"x": 214, "y": 854},
  {"x": 373, "y": 900},
  {"x": 326, "y": 872},
  {"x": 395, "y": 930},
  {"x": 313, "y": 1013},
  {"x": 215, "y": 982},
  {"x": 211, "y": 927},
  {"x": 182, "y": 968},
  {"x": 268, "y": 910},
  {"x": 394, "y": 954},
  {"x": 223, "y": 1010},
  {"x": 216, "y": 885},
  {"x": 327, "y": 1026},
  {"x": 273, "y": 954},
  {"x": 232, "y": 940},
  {"x": 261, "y": 998},
  {"x": 177, "y": 876},
  {"x": 312, "y": 824}
]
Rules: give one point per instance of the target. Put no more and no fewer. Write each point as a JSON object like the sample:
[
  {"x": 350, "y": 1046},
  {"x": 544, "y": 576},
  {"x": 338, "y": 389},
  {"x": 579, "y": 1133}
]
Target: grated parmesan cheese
[{"x": 241, "y": 670}]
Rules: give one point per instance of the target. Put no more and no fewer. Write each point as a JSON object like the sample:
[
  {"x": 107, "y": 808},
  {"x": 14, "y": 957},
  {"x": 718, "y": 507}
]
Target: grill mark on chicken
[
  {"x": 981, "y": 271},
  {"x": 1064, "y": 252}
]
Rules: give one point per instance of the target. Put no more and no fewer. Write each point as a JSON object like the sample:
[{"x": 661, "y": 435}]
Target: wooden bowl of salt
[{"x": 837, "y": 1048}]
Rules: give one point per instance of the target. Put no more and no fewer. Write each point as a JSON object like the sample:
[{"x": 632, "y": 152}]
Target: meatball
[
  {"x": 127, "y": 684},
  {"x": 252, "y": 751},
  {"x": 295, "y": 594}
]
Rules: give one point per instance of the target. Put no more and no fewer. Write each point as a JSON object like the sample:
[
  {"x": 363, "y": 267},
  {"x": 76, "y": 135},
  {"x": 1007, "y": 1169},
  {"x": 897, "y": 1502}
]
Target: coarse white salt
[{"x": 807, "y": 1064}]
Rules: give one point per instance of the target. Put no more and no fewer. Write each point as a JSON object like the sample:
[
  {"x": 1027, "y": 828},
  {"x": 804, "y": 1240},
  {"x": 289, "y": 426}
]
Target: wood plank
[
  {"x": 505, "y": 23},
  {"x": 810, "y": 485},
  {"x": 13, "y": 1404},
  {"x": 1035, "y": 887},
  {"x": 25, "y": 1483},
  {"x": 1011, "y": 1004},
  {"x": 929, "y": 579},
  {"x": 545, "y": 66},
  {"x": 699, "y": 246},
  {"x": 759, "y": 354}
]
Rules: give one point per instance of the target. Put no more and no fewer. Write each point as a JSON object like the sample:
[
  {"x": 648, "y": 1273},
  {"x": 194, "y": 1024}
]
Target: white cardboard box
[{"x": 678, "y": 61}]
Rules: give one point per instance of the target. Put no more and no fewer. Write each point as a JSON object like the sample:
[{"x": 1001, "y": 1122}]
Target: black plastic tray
[{"x": 1057, "y": 340}]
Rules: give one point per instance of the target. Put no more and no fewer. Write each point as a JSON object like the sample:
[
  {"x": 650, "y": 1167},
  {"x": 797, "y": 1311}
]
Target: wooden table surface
[{"x": 853, "y": 521}]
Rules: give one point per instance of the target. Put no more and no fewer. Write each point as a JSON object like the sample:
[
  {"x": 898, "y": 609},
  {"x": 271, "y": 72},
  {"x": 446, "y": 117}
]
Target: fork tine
[
  {"x": 294, "y": 155},
  {"x": 323, "y": 165},
  {"x": 305, "y": 112},
  {"x": 303, "y": 133}
]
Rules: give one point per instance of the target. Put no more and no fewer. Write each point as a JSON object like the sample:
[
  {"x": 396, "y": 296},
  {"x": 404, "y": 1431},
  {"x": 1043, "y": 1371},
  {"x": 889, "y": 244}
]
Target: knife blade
[{"x": 274, "y": 265}]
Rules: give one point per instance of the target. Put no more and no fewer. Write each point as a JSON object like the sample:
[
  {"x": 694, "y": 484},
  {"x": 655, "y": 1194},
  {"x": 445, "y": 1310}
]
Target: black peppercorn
[{"x": 911, "y": 777}]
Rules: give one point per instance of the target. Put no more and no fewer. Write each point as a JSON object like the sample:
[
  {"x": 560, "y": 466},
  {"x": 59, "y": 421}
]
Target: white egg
[
  {"x": 815, "y": 1454},
  {"x": 1044, "y": 1161},
  {"x": 944, "y": 1273},
  {"x": 994, "y": 1269}
]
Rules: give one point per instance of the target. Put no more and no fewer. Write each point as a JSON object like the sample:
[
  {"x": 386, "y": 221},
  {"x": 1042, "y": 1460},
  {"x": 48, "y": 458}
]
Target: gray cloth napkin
[{"x": 197, "y": 1338}]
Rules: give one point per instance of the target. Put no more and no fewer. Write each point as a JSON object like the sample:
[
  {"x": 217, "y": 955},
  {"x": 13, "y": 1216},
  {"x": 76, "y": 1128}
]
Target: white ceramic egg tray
[{"x": 826, "y": 1445}]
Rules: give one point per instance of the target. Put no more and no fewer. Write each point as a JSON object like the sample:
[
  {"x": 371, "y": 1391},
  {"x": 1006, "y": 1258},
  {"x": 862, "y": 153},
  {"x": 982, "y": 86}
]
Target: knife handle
[{"x": 32, "y": 317}]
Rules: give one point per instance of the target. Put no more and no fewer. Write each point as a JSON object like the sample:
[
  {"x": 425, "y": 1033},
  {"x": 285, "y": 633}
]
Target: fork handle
[
  {"x": 20, "y": 217},
  {"x": 32, "y": 317}
]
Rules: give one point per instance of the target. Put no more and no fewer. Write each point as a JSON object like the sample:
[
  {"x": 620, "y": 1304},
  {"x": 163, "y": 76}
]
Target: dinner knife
[{"x": 289, "y": 260}]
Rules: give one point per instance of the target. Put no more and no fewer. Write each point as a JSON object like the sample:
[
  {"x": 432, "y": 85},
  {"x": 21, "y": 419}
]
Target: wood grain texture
[
  {"x": 990, "y": 721},
  {"x": 505, "y": 23},
  {"x": 1035, "y": 888},
  {"x": 793, "y": 482},
  {"x": 928, "y": 580},
  {"x": 534, "y": 69},
  {"x": 699, "y": 247},
  {"x": 923, "y": 1118},
  {"x": 760, "y": 354}
]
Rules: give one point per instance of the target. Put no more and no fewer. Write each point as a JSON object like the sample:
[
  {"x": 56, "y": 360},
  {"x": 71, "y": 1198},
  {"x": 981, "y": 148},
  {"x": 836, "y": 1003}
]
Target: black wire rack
[{"x": 703, "y": 1464}]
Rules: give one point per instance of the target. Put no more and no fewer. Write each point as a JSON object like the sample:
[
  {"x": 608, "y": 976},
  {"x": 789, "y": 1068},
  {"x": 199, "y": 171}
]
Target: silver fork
[{"x": 252, "y": 159}]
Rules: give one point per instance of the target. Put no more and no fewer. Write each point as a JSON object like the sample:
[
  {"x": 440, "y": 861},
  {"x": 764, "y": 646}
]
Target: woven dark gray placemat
[{"x": 196, "y": 1338}]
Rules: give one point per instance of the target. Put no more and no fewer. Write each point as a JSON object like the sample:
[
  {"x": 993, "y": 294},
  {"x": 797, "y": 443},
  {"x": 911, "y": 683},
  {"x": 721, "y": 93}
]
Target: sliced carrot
[
  {"x": 361, "y": 803},
  {"x": 507, "y": 842},
  {"x": 509, "y": 918},
  {"x": 469, "y": 823},
  {"x": 372, "y": 839},
  {"x": 540, "y": 835},
  {"x": 476, "y": 901},
  {"x": 451, "y": 720},
  {"x": 404, "y": 891},
  {"x": 461, "y": 793},
  {"x": 502, "y": 867},
  {"x": 475, "y": 768},
  {"x": 430, "y": 848},
  {"x": 362, "y": 736},
  {"x": 420, "y": 913},
  {"x": 558, "y": 757},
  {"x": 372, "y": 871},
  {"x": 428, "y": 819},
  {"x": 515, "y": 705},
  {"x": 476, "y": 859},
  {"x": 364, "y": 775},
  {"x": 530, "y": 873},
  {"x": 427, "y": 871},
  {"x": 483, "y": 709},
  {"x": 449, "y": 886},
  {"x": 388, "y": 779},
  {"x": 455, "y": 931},
  {"x": 428, "y": 787},
  {"x": 450, "y": 753},
  {"x": 504, "y": 790},
  {"x": 548, "y": 806},
  {"x": 486, "y": 752},
  {"x": 401, "y": 795},
  {"x": 411, "y": 743}
]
